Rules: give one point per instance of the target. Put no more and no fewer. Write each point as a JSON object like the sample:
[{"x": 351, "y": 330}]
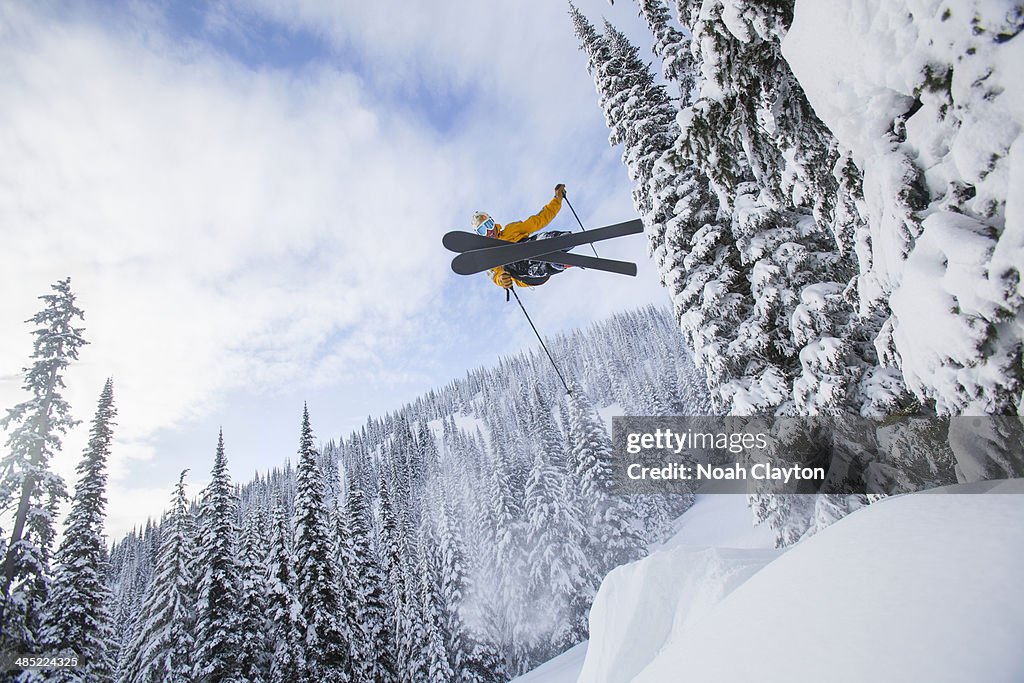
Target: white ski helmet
[{"x": 478, "y": 218}]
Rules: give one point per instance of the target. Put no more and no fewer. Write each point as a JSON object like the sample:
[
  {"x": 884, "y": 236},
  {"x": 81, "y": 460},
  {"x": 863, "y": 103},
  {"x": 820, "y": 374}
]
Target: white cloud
[
  {"x": 219, "y": 224},
  {"x": 229, "y": 227}
]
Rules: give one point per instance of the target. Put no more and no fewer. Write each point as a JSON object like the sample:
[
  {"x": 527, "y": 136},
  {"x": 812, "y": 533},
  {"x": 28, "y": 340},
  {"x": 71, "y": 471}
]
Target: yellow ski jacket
[{"x": 513, "y": 232}]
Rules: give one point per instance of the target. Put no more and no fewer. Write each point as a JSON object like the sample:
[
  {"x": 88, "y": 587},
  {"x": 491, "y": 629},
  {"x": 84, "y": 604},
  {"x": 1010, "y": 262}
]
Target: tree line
[{"x": 460, "y": 538}]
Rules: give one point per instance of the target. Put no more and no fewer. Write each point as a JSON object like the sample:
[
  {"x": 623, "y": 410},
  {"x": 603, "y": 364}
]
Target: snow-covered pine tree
[
  {"x": 560, "y": 582},
  {"x": 499, "y": 516},
  {"x": 509, "y": 430},
  {"x": 420, "y": 648},
  {"x": 387, "y": 530},
  {"x": 799, "y": 232},
  {"x": 395, "y": 554},
  {"x": 406, "y": 477},
  {"x": 666, "y": 385},
  {"x": 327, "y": 461},
  {"x": 138, "y": 556},
  {"x": 217, "y": 630},
  {"x": 326, "y": 645},
  {"x": 78, "y": 616},
  {"x": 563, "y": 426},
  {"x": 287, "y": 626},
  {"x": 254, "y": 625},
  {"x": 670, "y": 45},
  {"x": 520, "y": 404},
  {"x": 29, "y": 490},
  {"x": 365, "y": 603},
  {"x": 467, "y": 655},
  {"x": 808, "y": 190},
  {"x": 696, "y": 257},
  {"x": 613, "y": 532},
  {"x": 390, "y": 546},
  {"x": 428, "y": 448},
  {"x": 543, "y": 429},
  {"x": 432, "y": 613},
  {"x": 601, "y": 65},
  {"x": 164, "y": 645},
  {"x": 124, "y": 569},
  {"x": 759, "y": 269},
  {"x": 473, "y": 653},
  {"x": 943, "y": 250},
  {"x": 410, "y": 634},
  {"x": 639, "y": 109}
]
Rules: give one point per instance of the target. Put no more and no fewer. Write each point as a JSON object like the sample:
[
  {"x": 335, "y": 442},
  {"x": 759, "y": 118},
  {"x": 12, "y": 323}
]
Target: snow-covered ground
[
  {"x": 915, "y": 588},
  {"x": 562, "y": 669},
  {"x": 714, "y": 520},
  {"x": 721, "y": 520}
]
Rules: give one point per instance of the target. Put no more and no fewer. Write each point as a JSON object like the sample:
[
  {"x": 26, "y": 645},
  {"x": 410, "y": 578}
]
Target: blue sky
[{"x": 249, "y": 198}]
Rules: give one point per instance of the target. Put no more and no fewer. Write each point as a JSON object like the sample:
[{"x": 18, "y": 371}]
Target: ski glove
[
  {"x": 505, "y": 280},
  {"x": 560, "y": 190}
]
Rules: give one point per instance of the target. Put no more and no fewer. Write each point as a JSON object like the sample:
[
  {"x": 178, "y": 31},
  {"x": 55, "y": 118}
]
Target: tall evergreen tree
[
  {"x": 499, "y": 516},
  {"x": 365, "y": 603},
  {"x": 254, "y": 623},
  {"x": 410, "y": 634},
  {"x": 612, "y": 528},
  {"x": 29, "y": 490},
  {"x": 390, "y": 549},
  {"x": 317, "y": 585},
  {"x": 287, "y": 626},
  {"x": 164, "y": 646},
  {"x": 135, "y": 578},
  {"x": 560, "y": 580},
  {"x": 79, "y": 614},
  {"x": 433, "y": 642},
  {"x": 217, "y": 630},
  {"x": 428, "y": 447},
  {"x": 695, "y": 254},
  {"x": 468, "y": 657},
  {"x": 542, "y": 426}
]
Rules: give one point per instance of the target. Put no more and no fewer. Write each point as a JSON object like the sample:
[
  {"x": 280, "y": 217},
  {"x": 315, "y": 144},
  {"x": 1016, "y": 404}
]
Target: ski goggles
[{"x": 485, "y": 227}]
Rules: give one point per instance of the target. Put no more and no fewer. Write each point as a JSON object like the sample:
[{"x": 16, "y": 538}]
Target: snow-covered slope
[
  {"x": 721, "y": 521},
  {"x": 915, "y": 588},
  {"x": 565, "y": 668},
  {"x": 645, "y": 607}
]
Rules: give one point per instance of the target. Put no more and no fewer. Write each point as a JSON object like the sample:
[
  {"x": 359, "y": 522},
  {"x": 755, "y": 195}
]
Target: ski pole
[
  {"x": 565, "y": 196},
  {"x": 542, "y": 344}
]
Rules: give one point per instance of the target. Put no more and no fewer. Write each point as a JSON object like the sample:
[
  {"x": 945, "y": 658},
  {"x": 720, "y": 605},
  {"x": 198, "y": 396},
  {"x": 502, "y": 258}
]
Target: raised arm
[{"x": 514, "y": 232}]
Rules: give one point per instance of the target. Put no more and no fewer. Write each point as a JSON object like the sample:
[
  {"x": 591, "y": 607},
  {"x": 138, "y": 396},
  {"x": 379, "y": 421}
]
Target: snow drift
[
  {"x": 918, "y": 587},
  {"x": 642, "y": 607}
]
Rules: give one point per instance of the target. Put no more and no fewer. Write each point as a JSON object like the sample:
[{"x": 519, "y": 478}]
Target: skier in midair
[{"x": 524, "y": 273}]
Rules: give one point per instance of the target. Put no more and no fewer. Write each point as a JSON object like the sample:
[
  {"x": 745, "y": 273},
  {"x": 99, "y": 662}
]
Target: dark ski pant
[{"x": 536, "y": 272}]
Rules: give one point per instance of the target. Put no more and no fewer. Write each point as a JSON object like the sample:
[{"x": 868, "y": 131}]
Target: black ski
[
  {"x": 479, "y": 260},
  {"x": 467, "y": 241}
]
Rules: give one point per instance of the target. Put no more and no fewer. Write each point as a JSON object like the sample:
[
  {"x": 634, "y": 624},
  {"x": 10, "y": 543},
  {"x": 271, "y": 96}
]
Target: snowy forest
[
  {"x": 460, "y": 538},
  {"x": 835, "y": 250},
  {"x": 828, "y": 248}
]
